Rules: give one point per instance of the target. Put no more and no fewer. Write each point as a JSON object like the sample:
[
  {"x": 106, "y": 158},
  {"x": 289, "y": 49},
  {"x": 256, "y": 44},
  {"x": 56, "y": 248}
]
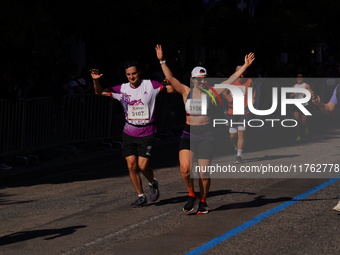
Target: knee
[
  {"x": 143, "y": 167},
  {"x": 132, "y": 166},
  {"x": 205, "y": 178},
  {"x": 185, "y": 169},
  {"x": 143, "y": 164}
]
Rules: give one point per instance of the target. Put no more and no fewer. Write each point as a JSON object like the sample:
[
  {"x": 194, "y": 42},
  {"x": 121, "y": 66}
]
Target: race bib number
[
  {"x": 138, "y": 112},
  {"x": 194, "y": 106}
]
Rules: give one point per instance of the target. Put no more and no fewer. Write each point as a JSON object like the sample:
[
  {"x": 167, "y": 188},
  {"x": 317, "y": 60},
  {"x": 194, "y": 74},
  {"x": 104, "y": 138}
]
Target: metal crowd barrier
[{"x": 28, "y": 125}]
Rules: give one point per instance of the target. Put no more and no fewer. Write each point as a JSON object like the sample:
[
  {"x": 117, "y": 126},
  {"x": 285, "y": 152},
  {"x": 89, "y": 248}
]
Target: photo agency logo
[
  {"x": 282, "y": 98},
  {"x": 239, "y": 105},
  {"x": 271, "y": 108}
]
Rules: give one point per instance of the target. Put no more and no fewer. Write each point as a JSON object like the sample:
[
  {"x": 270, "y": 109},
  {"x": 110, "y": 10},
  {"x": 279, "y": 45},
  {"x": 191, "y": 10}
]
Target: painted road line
[
  {"x": 259, "y": 218},
  {"x": 111, "y": 236}
]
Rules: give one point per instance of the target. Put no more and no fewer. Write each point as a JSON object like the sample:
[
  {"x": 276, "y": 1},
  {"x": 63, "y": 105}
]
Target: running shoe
[
  {"x": 202, "y": 208},
  {"x": 141, "y": 201},
  {"x": 154, "y": 191},
  {"x": 337, "y": 207},
  {"x": 238, "y": 160},
  {"x": 298, "y": 139},
  {"x": 190, "y": 204}
]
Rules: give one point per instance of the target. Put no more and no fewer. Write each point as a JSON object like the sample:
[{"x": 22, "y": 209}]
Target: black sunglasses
[{"x": 199, "y": 79}]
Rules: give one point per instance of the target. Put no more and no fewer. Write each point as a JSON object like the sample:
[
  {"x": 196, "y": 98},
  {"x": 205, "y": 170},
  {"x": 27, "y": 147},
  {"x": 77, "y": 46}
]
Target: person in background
[
  {"x": 328, "y": 108},
  {"x": 237, "y": 131},
  {"x": 301, "y": 119}
]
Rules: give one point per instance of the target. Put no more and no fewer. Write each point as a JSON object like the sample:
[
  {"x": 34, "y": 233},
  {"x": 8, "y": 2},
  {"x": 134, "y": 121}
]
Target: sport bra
[{"x": 193, "y": 106}]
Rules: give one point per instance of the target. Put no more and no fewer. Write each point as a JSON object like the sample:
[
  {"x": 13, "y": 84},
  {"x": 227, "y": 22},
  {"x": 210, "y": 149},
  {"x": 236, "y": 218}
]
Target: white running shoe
[
  {"x": 337, "y": 207},
  {"x": 238, "y": 160}
]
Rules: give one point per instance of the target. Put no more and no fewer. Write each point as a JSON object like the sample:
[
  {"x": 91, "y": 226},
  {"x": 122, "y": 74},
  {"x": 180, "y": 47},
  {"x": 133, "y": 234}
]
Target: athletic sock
[
  {"x": 191, "y": 193},
  {"x": 239, "y": 153},
  {"x": 141, "y": 195},
  {"x": 203, "y": 199}
]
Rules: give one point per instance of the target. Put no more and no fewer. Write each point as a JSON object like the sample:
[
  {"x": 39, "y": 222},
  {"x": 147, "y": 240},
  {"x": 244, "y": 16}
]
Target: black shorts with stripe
[{"x": 139, "y": 146}]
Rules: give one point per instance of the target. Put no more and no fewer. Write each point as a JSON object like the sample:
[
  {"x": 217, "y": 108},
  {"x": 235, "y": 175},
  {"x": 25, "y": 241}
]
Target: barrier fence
[{"x": 29, "y": 125}]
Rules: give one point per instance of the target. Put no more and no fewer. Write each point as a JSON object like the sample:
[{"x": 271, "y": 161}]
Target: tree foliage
[{"x": 35, "y": 31}]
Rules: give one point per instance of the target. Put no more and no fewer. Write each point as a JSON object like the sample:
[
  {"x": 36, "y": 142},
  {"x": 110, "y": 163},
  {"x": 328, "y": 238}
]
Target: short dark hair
[{"x": 131, "y": 62}]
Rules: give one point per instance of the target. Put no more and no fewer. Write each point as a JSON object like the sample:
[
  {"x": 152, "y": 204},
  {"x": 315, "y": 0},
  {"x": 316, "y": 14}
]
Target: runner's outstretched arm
[
  {"x": 248, "y": 60},
  {"x": 98, "y": 89},
  {"x": 178, "y": 86}
]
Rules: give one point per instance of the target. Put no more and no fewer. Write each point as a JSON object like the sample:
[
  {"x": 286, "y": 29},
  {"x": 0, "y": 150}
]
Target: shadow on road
[
  {"x": 183, "y": 199},
  {"x": 269, "y": 157},
  {"x": 257, "y": 202},
  {"x": 28, "y": 235}
]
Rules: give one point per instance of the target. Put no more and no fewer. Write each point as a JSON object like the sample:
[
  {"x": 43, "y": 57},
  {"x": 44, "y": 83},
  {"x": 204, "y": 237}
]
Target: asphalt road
[{"x": 86, "y": 209}]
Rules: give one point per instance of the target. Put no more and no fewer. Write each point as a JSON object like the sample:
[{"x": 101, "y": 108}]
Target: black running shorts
[
  {"x": 199, "y": 140},
  {"x": 293, "y": 108},
  {"x": 139, "y": 146}
]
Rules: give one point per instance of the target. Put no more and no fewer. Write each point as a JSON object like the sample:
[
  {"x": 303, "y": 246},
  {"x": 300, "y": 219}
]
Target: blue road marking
[{"x": 259, "y": 218}]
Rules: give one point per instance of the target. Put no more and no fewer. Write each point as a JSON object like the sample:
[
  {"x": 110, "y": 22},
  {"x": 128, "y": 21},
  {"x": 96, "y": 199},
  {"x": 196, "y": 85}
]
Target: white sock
[
  {"x": 141, "y": 195},
  {"x": 239, "y": 153}
]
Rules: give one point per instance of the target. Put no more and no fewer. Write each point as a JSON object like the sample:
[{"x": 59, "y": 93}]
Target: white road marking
[{"x": 110, "y": 236}]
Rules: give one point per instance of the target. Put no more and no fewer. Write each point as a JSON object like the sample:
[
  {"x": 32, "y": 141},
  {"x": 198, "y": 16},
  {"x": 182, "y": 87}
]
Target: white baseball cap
[{"x": 197, "y": 71}]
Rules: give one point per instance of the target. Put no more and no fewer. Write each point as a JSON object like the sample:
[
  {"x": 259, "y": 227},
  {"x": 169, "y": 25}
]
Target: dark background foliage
[{"x": 45, "y": 34}]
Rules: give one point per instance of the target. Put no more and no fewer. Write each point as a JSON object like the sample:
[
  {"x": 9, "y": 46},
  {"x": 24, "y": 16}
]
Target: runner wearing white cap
[{"x": 197, "y": 139}]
